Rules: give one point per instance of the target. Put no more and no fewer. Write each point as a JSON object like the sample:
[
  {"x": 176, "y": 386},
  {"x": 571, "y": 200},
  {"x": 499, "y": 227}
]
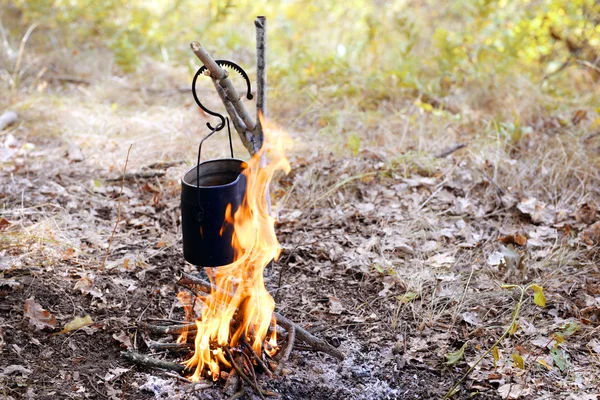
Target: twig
[
  {"x": 261, "y": 65},
  {"x": 308, "y": 338},
  {"x": 258, "y": 359},
  {"x": 169, "y": 346},
  {"x": 137, "y": 175},
  {"x": 451, "y": 150},
  {"x": 165, "y": 164},
  {"x": 340, "y": 184},
  {"x": 118, "y": 210},
  {"x": 243, "y": 375},
  {"x": 146, "y": 361},
  {"x": 492, "y": 181},
  {"x": 288, "y": 349},
  {"x": 170, "y": 329}
]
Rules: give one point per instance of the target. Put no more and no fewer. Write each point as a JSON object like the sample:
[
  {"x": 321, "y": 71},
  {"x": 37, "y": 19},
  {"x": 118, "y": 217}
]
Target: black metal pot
[{"x": 206, "y": 191}]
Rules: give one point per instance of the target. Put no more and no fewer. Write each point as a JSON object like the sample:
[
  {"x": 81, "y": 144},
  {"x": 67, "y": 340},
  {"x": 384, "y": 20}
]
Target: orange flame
[{"x": 239, "y": 306}]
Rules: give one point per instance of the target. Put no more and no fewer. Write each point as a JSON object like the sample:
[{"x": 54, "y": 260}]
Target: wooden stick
[
  {"x": 238, "y": 124},
  {"x": 170, "y": 329},
  {"x": 308, "y": 338},
  {"x": 288, "y": 349},
  {"x": 118, "y": 210},
  {"x": 169, "y": 346},
  {"x": 141, "y": 359},
  {"x": 244, "y": 376},
  {"x": 231, "y": 94},
  {"x": 261, "y": 76}
]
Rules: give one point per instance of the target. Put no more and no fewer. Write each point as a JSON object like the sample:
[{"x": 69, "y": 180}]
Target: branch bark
[
  {"x": 237, "y": 111},
  {"x": 261, "y": 73}
]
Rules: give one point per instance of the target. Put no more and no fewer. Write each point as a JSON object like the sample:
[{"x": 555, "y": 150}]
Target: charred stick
[
  {"x": 146, "y": 361},
  {"x": 242, "y": 374},
  {"x": 308, "y": 338},
  {"x": 257, "y": 358},
  {"x": 169, "y": 346},
  {"x": 170, "y": 329},
  {"x": 288, "y": 349},
  {"x": 250, "y": 367}
]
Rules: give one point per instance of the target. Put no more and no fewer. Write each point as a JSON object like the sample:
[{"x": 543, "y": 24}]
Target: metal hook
[{"x": 223, "y": 63}]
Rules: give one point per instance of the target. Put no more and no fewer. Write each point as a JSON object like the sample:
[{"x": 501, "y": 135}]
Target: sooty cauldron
[{"x": 206, "y": 191}]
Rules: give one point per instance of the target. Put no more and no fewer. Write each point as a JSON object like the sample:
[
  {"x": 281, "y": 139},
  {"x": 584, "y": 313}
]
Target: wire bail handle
[{"x": 223, "y": 120}]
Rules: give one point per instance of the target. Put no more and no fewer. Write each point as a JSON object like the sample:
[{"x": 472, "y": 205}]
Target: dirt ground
[{"x": 395, "y": 254}]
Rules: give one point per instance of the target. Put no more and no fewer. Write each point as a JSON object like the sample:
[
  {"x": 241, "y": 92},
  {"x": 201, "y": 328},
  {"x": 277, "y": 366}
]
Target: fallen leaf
[
  {"x": 513, "y": 239},
  {"x": 594, "y": 344},
  {"x": 511, "y": 391},
  {"x": 537, "y": 210},
  {"x": 518, "y": 361},
  {"x": 560, "y": 358},
  {"x": 335, "y": 306},
  {"x": 86, "y": 286},
  {"x": 454, "y": 357},
  {"x": 11, "y": 369},
  {"x": 578, "y": 116},
  {"x": 4, "y": 223},
  {"x": 545, "y": 364},
  {"x": 76, "y": 323},
  {"x": 124, "y": 339},
  {"x": 408, "y": 297},
  {"x": 538, "y": 295},
  {"x": 74, "y": 153},
  {"x": 569, "y": 328},
  {"x": 441, "y": 260},
  {"x": 38, "y": 317},
  {"x": 471, "y": 318},
  {"x": 496, "y": 355}
]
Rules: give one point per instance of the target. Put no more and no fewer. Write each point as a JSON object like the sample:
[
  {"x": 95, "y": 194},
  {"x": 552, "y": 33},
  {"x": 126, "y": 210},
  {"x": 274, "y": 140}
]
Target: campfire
[
  {"x": 231, "y": 329},
  {"x": 237, "y": 313}
]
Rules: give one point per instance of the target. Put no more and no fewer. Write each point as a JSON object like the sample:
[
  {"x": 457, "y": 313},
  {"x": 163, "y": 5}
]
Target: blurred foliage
[{"x": 354, "y": 48}]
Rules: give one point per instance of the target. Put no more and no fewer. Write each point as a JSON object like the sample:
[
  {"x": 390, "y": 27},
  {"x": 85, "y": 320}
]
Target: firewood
[{"x": 146, "y": 361}]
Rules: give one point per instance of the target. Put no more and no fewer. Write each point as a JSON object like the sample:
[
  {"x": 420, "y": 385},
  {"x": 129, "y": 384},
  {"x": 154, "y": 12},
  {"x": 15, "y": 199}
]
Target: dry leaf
[
  {"x": 537, "y": 210},
  {"x": 335, "y": 306},
  {"x": 124, "y": 339},
  {"x": 86, "y": 286},
  {"x": 471, "y": 318},
  {"x": 511, "y": 391},
  {"x": 38, "y": 317},
  {"x": 11, "y": 369},
  {"x": 538, "y": 295},
  {"x": 76, "y": 323},
  {"x": 518, "y": 361}
]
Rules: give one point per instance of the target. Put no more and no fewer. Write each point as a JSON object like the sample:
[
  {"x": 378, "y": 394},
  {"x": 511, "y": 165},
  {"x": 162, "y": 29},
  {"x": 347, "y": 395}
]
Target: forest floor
[{"x": 396, "y": 253}]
